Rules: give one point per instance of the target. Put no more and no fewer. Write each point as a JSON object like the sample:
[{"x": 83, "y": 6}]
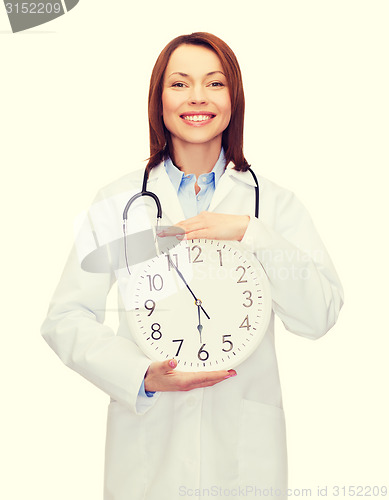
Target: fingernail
[
  {"x": 180, "y": 236},
  {"x": 172, "y": 363},
  {"x": 232, "y": 373}
]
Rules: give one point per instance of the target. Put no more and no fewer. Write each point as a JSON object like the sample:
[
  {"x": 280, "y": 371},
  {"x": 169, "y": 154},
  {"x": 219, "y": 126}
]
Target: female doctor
[{"x": 172, "y": 434}]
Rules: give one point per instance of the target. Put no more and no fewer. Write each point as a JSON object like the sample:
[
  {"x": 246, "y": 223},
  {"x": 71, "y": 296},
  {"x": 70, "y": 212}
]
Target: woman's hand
[
  {"x": 161, "y": 377},
  {"x": 210, "y": 225}
]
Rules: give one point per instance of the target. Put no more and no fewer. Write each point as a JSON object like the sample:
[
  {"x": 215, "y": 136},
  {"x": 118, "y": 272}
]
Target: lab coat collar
[
  {"x": 245, "y": 177},
  {"x": 227, "y": 182}
]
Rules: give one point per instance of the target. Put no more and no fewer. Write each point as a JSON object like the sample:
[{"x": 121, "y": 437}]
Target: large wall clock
[{"x": 206, "y": 303}]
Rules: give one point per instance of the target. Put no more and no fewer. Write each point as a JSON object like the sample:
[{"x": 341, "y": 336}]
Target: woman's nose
[{"x": 197, "y": 96}]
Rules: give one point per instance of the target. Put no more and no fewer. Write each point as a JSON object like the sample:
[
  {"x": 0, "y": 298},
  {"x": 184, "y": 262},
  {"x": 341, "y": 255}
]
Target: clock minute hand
[
  {"x": 187, "y": 286},
  {"x": 200, "y": 326}
]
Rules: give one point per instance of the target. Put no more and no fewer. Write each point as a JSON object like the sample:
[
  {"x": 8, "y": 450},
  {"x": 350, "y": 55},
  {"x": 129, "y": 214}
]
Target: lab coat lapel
[
  {"x": 161, "y": 185},
  {"x": 223, "y": 188},
  {"x": 230, "y": 179}
]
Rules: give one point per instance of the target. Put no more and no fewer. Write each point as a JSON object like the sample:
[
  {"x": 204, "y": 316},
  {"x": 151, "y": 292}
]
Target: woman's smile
[{"x": 198, "y": 119}]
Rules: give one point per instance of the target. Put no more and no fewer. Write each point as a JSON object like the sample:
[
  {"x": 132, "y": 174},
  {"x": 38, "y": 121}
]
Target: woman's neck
[{"x": 196, "y": 159}]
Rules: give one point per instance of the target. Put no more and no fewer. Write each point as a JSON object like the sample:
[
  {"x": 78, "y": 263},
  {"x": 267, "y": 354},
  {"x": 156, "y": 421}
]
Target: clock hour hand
[{"x": 187, "y": 286}]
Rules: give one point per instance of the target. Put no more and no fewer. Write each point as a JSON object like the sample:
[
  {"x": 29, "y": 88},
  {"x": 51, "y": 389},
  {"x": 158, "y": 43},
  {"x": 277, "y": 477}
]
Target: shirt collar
[{"x": 175, "y": 175}]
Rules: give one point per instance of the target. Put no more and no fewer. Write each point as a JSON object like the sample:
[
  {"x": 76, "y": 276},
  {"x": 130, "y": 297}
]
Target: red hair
[{"x": 232, "y": 140}]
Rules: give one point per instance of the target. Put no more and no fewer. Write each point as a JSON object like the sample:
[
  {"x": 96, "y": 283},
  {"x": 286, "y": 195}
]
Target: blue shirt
[
  {"x": 184, "y": 186},
  {"x": 191, "y": 203}
]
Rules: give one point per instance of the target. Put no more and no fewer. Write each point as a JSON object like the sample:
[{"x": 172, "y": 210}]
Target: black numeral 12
[{"x": 197, "y": 259}]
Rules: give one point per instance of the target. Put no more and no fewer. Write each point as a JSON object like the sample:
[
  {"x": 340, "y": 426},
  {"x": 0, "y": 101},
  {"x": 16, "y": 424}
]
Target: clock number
[
  {"x": 170, "y": 262},
  {"x": 203, "y": 355},
  {"x": 249, "y": 299},
  {"x": 227, "y": 342},
  {"x": 155, "y": 282},
  {"x": 245, "y": 323},
  {"x": 156, "y": 334},
  {"x": 179, "y": 348},
  {"x": 197, "y": 259},
  {"x": 148, "y": 308},
  {"x": 241, "y": 280},
  {"x": 220, "y": 257}
]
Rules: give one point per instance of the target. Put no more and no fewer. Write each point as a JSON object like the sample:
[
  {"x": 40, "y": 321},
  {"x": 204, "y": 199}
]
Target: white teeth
[{"x": 197, "y": 118}]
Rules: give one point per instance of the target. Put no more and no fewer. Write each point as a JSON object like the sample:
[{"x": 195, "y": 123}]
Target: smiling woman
[
  {"x": 198, "y": 72},
  {"x": 196, "y": 102},
  {"x": 171, "y": 430}
]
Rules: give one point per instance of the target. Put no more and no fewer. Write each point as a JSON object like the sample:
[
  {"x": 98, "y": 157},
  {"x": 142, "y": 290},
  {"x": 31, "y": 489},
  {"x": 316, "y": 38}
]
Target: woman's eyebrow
[{"x": 185, "y": 75}]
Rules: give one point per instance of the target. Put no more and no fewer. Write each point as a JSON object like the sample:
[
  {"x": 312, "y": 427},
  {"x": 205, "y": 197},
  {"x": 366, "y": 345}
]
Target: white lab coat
[{"x": 228, "y": 439}]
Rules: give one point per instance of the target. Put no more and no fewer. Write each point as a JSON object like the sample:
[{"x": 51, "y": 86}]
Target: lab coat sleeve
[
  {"x": 306, "y": 291},
  {"x": 75, "y": 330}
]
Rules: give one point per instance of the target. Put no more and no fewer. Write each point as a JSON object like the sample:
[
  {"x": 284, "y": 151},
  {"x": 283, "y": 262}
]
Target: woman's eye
[
  {"x": 216, "y": 84},
  {"x": 179, "y": 85}
]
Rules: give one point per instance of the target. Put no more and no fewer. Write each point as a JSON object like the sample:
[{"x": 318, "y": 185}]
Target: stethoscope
[{"x": 152, "y": 195}]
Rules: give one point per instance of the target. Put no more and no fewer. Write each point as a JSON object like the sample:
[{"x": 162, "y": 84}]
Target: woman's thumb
[{"x": 170, "y": 364}]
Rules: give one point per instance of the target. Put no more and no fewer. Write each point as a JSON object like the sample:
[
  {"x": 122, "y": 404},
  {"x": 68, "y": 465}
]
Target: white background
[{"x": 74, "y": 117}]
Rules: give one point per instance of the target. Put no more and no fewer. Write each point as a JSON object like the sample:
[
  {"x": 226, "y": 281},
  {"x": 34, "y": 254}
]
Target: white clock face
[{"x": 216, "y": 321}]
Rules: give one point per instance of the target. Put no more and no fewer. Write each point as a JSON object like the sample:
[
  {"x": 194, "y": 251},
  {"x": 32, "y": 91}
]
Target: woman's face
[{"x": 195, "y": 97}]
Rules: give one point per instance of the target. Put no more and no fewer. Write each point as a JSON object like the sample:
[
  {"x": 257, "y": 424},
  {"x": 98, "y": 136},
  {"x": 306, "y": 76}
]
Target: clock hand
[
  {"x": 187, "y": 286},
  {"x": 200, "y": 326}
]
